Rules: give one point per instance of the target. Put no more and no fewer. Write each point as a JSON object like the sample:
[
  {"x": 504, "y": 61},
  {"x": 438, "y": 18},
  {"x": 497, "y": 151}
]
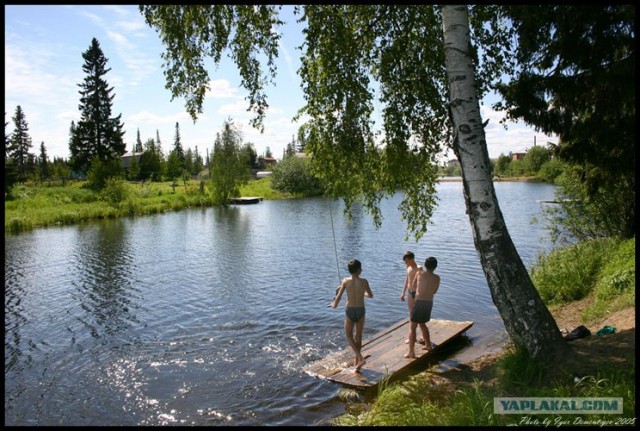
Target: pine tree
[
  {"x": 20, "y": 143},
  {"x": 177, "y": 146},
  {"x": 161, "y": 157},
  {"x": 134, "y": 166},
  {"x": 188, "y": 161},
  {"x": 138, "y": 147},
  {"x": 97, "y": 134},
  {"x": 150, "y": 162},
  {"x": 198, "y": 164},
  {"x": 60, "y": 168},
  {"x": 43, "y": 163},
  {"x": 10, "y": 171}
]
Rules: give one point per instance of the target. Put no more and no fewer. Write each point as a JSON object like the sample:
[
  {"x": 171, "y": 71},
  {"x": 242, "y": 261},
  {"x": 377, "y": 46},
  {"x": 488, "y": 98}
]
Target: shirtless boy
[
  {"x": 412, "y": 268},
  {"x": 427, "y": 284},
  {"x": 357, "y": 288}
]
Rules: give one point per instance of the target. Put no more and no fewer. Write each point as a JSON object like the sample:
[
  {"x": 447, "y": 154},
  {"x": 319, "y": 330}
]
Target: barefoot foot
[{"x": 429, "y": 347}]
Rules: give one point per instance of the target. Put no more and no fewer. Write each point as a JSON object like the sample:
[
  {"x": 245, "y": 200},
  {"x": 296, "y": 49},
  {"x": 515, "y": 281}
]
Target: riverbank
[
  {"x": 495, "y": 179},
  {"x": 591, "y": 354},
  {"x": 33, "y": 206},
  {"x": 599, "y": 366}
]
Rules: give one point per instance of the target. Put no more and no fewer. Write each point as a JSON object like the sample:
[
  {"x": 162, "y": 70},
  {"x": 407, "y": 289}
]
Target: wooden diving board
[{"x": 384, "y": 353}]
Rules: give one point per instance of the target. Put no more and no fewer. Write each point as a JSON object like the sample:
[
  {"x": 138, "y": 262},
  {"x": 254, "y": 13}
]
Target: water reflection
[
  {"x": 351, "y": 237},
  {"x": 208, "y": 316},
  {"x": 105, "y": 282}
]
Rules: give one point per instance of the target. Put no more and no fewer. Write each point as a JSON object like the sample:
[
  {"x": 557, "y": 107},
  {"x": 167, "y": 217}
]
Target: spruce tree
[
  {"x": 198, "y": 164},
  {"x": 10, "y": 171},
  {"x": 97, "y": 134},
  {"x": 138, "y": 147},
  {"x": 177, "y": 146},
  {"x": 20, "y": 143},
  {"x": 188, "y": 161},
  {"x": 134, "y": 165},
  {"x": 43, "y": 163}
]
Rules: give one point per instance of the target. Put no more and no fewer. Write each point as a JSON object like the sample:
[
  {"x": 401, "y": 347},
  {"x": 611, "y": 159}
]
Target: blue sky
[{"x": 43, "y": 67}]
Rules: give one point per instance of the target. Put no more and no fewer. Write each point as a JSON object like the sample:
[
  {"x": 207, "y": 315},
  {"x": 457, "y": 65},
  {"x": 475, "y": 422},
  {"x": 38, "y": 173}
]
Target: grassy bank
[
  {"x": 601, "y": 273},
  {"x": 32, "y": 206},
  {"x": 38, "y": 206}
]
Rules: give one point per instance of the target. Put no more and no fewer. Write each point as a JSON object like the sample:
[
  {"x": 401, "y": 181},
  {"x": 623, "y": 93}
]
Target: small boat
[{"x": 246, "y": 200}]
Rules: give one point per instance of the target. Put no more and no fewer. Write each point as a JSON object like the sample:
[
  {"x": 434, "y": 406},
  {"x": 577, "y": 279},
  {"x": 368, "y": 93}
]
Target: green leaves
[
  {"x": 229, "y": 169},
  {"x": 193, "y": 33}
]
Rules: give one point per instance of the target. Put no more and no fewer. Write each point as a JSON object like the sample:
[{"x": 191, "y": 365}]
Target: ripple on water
[{"x": 208, "y": 316}]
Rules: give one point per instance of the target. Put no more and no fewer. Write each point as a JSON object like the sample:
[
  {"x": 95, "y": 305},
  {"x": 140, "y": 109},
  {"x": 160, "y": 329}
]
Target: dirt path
[{"x": 591, "y": 353}]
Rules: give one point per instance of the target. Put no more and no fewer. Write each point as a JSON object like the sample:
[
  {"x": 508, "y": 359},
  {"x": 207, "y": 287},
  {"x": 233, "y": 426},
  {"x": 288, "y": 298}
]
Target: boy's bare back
[
  {"x": 427, "y": 284},
  {"x": 357, "y": 288}
]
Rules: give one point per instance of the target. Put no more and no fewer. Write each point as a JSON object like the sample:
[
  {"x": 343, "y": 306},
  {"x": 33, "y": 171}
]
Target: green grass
[
  {"x": 601, "y": 269},
  {"x": 423, "y": 400},
  {"x": 262, "y": 188},
  {"x": 35, "y": 206}
]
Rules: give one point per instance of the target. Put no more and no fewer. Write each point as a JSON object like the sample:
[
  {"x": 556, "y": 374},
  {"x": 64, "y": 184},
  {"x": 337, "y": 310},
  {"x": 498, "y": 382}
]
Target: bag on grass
[{"x": 580, "y": 332}]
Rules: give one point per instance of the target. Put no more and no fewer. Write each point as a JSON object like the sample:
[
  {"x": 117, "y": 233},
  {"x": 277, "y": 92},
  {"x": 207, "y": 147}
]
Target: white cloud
[
  {"x": 238, "y": 109},
  {"x": 221, "y": 89},
  {"x": 118, "y": 38},
  {"x": 150, "y": 117},
  {"x": 117, "y": 10},
  {"x": 92, "y": 16}
]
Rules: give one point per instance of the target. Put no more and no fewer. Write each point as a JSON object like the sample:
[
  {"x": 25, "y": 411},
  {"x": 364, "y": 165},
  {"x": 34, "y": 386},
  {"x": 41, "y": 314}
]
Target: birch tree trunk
[{"x": 526, "y": 318}]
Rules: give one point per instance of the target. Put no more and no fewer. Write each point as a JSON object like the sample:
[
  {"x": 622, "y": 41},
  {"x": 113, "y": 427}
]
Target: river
[{"x": 208, "y": 316}]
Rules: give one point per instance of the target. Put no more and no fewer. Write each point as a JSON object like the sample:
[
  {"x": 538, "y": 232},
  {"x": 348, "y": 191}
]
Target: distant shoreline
[{"x": 495, "y": 179}]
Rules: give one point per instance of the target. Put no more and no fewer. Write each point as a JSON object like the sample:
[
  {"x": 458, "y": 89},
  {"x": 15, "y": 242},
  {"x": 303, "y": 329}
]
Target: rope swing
[{"x": 335, "y": 247}]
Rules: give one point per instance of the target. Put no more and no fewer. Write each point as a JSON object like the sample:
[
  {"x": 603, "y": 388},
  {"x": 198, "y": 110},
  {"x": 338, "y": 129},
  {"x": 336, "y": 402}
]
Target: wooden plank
[{"x": 384, "y": 354}]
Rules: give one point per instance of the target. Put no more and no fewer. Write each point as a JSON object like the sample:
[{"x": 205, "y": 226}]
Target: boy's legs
[
  {"x": 358, "y": 340},
  {"x": 412, "y": 340},
  {"x": 348, "y": 329},
  {"x": 426, "y": 336},
  {"x": 410, "y": 302}
]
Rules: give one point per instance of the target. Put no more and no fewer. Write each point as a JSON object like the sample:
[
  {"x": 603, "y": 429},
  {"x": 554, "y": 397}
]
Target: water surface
[{"x": 208, "y": 316}]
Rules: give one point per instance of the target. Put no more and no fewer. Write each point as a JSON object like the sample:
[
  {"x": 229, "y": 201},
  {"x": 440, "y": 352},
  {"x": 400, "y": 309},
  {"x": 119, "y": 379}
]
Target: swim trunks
[
  {"x": 412, "y": 293},
  {"x": 355, "y": 313},
  {"x": 421, "y": 312}
]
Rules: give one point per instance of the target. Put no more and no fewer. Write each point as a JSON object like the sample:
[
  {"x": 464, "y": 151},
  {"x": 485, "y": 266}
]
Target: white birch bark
[{"x": 526, "y": 317}]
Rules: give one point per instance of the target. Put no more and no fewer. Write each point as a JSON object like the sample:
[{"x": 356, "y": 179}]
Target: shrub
[
  {"x": 293, "y": 175},
  {"x": 570, "y": 273},
  {"x": 115, "y": 191},
  {"x": 101, "y": 171},
  {"x": 551, "y": 170}
]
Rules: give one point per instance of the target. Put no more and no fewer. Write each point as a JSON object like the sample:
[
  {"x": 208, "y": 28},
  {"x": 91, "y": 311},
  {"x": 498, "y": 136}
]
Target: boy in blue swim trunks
[
  {"x": 357, "y": 288},
  {"x": 426, "y": 285}
]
